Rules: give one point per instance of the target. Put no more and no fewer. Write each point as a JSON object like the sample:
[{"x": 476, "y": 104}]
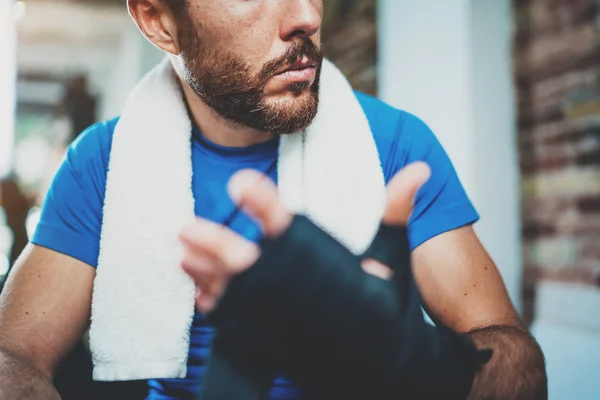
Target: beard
[{"x": 224, "y": 82}]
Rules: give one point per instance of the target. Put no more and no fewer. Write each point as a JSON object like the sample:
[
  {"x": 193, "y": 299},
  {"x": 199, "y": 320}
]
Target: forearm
[
  {"x": 516, "y": 370},
  {"x": 20, "y": 380}
]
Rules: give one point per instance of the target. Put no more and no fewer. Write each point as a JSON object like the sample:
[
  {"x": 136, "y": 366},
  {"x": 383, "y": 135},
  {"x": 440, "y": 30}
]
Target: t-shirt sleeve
[
  {"x": 442, "y": 203},
  {"x": 71, "y": 216}
]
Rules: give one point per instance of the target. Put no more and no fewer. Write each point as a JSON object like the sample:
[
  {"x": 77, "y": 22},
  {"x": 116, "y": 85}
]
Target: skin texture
[
  {"x": 46, "y": 305},
  {"x": 459, "y": 263},
  {"x": 217, "y": 64},
  {"x": 44, "y": 310}
]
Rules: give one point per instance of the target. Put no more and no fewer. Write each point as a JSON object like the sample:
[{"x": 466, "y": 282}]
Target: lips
[{"x": 299, "y": 66}]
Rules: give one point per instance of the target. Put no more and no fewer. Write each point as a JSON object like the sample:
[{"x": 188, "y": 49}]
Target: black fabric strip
[{"x": 307, "y": 309}]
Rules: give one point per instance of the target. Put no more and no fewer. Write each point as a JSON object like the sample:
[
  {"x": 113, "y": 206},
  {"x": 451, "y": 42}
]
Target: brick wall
[
  {"x": 557, "y": 67},
  {"x": 350, "y": 40}
]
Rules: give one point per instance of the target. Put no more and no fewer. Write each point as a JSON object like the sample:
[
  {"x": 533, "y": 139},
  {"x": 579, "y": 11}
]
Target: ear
[{"x": 156, "y": 21}]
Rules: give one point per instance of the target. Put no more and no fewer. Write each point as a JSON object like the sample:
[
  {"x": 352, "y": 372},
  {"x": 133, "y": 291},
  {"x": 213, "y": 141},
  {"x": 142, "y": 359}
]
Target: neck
[{"x": 217, "y": 129}]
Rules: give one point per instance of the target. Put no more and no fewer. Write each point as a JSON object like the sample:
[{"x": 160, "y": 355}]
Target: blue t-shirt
[{"x": 71, "y": 217}]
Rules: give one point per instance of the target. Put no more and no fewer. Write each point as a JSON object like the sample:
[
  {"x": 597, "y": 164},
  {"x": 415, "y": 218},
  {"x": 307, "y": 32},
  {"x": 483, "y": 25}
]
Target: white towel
[{"x": 143, "y": 303}]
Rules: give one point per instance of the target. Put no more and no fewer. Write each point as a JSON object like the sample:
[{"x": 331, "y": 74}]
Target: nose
[{"x": 301, "y": 18}]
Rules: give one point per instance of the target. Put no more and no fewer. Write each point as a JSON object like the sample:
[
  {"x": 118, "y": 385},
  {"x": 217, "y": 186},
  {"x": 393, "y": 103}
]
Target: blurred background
[{"x": 511, "y": 88}]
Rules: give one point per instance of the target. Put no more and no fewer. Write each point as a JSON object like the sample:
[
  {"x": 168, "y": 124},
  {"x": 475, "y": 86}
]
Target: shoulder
[
  {"x": 400, "y": 137},
  {"x": 71, "y": 218},
  {"x": 89, "y": 153},
  {"x": 94, "y": 143},
  {"x": 382, "y": 117}
]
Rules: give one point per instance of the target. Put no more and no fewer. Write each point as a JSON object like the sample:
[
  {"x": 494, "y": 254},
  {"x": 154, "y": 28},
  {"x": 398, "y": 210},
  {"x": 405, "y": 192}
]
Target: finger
[
  {"x": 402, "y": 190},
  {"x": 204, "y": 299},
  {"x": 198, "y": 266},
  {"x": 209, "y": 297},
  {"x": 376, "y": 268},
  {"x": 205, "y": 303},
  {"x": 209, "y": 284},
  {"x": 204, "y": 275},
  {"x": 225, "y": 247},
  {"x": 258, "y": 197},
  {"x": 209, "y": 293}
]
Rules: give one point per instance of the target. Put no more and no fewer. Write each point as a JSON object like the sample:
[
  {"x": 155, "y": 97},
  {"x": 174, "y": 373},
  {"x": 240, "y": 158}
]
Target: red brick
[
  {"x": 554, "y": 252},
  {"x": 554, "y": 88},
  {"x": 578, "y": 224},
  {"x": 545, "y": 208},
  {"x": 590, "y": 204},
  {"x": 583, "y": 275},
  {"x": 583, "y": 106},
  {"x": 549, "y": 16},
  {"x": 589, "y": 158},
  {"x": 534, "y": 229},
  {"x": 527, "y": 71},
  {"x": 545, "y": 132},
  {"x": 557, "y": 76},
  {"x": 557, "y": 155},
  {"x": 590, "y": 248},
  {"x": 562, "y": 46}
]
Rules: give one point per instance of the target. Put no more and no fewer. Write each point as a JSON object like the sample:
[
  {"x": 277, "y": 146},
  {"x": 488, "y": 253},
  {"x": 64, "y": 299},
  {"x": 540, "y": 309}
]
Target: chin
[
  {"x": 292, "y": 98},
  {"x": 290, "y": 111}
]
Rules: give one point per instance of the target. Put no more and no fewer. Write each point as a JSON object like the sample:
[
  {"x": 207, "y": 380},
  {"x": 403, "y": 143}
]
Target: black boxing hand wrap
[
  {"x": 306, "y": 308},
  {"x": 446, "y": 358},
  {"x": 390, "y": 247}
]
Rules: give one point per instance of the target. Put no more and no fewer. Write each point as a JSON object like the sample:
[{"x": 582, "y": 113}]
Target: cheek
[
  {"x": 257, "y": 46},
  {"x": 243, "y": 28}
]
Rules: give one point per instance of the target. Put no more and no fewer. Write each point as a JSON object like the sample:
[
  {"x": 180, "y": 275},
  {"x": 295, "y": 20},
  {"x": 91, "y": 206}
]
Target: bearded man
[{"x": 244, "y": 86}]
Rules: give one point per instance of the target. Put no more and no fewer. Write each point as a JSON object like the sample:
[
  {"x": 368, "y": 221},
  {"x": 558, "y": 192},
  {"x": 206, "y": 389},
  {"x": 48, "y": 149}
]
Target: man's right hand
[
  {"x": 214, "y": 253},
  {"x": 44, "y": 310}
]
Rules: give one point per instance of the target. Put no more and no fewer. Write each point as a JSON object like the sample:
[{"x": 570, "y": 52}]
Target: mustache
[{"x": 296, "y": 52}]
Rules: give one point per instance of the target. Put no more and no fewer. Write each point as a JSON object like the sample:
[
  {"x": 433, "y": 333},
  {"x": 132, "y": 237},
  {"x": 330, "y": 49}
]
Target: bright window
[{"x": 8, "y": 14}]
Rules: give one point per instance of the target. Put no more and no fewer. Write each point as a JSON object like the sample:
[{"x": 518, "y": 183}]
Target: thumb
[
  {"x": 257, "y": 195},
  {"x": 402, "y": 190}
]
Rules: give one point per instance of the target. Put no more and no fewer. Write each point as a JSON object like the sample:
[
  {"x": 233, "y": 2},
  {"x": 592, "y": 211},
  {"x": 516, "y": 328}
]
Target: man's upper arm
[
  {"x": 45, "y": 306},
  {"x": 459, "y": 282}
]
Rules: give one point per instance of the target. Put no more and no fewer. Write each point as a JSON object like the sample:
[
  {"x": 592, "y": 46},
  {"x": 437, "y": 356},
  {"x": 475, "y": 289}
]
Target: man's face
[{"x": 255, "y": 62}]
